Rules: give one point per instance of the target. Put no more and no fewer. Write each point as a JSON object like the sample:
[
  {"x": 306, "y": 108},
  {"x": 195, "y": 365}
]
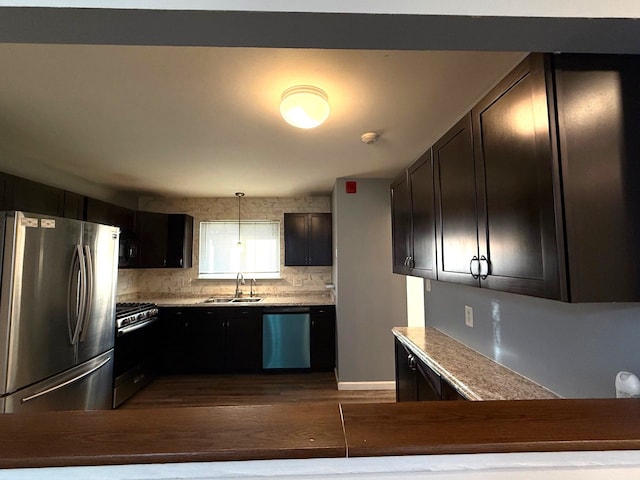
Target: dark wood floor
[{"x": 269, "y": 389}]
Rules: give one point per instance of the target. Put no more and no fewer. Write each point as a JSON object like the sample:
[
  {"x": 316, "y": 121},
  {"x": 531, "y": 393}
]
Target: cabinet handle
[
  {"x": 313, "y": 323},
  {"x": 411, "y": 361},
  {"x": 412, "y": 262},
  {"x": 484, "y": 272},
  {"x": 475, "y": 274}
]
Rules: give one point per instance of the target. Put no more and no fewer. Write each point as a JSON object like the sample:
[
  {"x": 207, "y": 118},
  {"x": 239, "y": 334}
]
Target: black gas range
[{"x": 135, "y": 349}]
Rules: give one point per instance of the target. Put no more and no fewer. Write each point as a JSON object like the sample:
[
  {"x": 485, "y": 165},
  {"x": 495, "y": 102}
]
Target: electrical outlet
[
  {"x": 297, "y": 281},
  {"x": 427, "y": 285},
  {"x": 468, "y": 316}
]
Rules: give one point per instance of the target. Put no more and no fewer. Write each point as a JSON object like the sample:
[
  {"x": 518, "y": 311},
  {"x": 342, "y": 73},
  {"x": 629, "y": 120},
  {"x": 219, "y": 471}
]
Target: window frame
[{"x": 231, "y": 275}]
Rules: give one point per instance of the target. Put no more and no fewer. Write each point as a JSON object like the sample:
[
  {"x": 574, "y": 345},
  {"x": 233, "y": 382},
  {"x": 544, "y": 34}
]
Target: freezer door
[
  {"x": 98, "y": 328},
  {"x": 85, "y": 387},
  {"x": 39, "y": 298}
]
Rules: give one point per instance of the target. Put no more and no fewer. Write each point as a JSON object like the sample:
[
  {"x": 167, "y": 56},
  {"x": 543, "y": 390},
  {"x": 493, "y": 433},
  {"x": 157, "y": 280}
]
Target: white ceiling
[{"x": 204, "y": 121}]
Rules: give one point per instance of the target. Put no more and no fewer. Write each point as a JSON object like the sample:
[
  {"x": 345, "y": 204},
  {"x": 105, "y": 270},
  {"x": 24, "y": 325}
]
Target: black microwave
[{"x": 127, "y": 249}]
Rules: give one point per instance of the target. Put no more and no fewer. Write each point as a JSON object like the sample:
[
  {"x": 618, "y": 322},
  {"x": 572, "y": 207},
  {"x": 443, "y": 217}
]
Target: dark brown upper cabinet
[
  {"x": 307, "y": 239},
  {"x": 516, "y": 182},
  {"x": 536, "y": 189},
  {"x": 164, "y": 240},
  {"x": 401, "y": 224},
  {"x": 34, "y": 197},
  {"x": 413, "y": 226},
  {"x": 456, "y": 205},
  {"x": 106, "y": 213},
  {"x": 179, "y": 241},
  {"x": 423, "y": 248},
  {"x": 74, "y": 205}
]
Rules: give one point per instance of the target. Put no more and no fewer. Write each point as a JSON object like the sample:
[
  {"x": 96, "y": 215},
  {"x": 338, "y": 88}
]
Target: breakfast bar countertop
[
  {"x": 474, "y": 375},
  {"x": 314, "y": 430}
]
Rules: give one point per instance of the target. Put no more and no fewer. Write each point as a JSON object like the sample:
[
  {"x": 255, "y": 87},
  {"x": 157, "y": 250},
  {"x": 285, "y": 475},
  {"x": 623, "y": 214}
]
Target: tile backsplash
[{"x": 185, "y": 282}]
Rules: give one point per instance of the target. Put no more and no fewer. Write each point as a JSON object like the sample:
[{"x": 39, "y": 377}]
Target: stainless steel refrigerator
[{"x": 57, "y": 313}]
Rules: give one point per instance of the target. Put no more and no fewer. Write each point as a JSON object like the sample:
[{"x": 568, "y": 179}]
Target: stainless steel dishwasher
[{"x": 286, "y": 338}]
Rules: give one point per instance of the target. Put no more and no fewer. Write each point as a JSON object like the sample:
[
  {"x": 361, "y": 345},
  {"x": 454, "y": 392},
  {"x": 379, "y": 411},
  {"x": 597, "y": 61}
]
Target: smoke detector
[{"x": 369, "y": 137}]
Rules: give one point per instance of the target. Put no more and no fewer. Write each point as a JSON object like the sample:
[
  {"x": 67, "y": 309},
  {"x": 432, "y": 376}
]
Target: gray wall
[
  {"x": 573, "y": 349},
  {"x": 370, "y": 299}
]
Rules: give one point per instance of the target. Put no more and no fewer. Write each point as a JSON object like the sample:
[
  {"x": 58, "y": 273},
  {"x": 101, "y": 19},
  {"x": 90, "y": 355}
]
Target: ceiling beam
[{"x": 317, "y": 30}]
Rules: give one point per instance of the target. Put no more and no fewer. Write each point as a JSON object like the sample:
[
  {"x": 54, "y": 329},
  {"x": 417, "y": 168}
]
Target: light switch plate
[
  {"x": 468, "y": 316},
  {"x": 427, "y": 285}
]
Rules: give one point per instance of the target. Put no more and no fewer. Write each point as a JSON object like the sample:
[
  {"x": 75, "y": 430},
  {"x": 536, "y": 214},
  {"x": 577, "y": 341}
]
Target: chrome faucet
[
  {"x": 253, "y": 284},
  {"x": 239, "y": 280}
]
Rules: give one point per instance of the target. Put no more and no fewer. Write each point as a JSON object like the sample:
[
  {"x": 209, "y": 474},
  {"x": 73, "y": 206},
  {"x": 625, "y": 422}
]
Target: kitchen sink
[
  {"x": 233, "y": 300},
  {"x": 219, "y": 300}
]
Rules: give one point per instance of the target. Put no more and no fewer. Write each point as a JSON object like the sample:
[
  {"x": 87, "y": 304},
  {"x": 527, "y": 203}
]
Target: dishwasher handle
[{"x": 276, "y": 310}]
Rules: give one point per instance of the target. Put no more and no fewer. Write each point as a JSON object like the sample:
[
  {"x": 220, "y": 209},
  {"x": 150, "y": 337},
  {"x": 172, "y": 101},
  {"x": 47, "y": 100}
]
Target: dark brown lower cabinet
[
  {"x": 211, "y": 340},
  {"x": 417, "y": 382},
  {"x": 204, "y": 340},
  {"x": 243, "y": 326},
  {"x": 323, "y": 337}
]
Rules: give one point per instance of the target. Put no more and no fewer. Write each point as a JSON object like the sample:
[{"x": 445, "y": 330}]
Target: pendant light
[{"x": 239, "y": 244}]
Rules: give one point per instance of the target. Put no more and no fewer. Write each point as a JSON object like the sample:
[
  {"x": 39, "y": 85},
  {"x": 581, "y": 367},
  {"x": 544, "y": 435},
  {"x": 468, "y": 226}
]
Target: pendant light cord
[{"x": 239, "y": 195}]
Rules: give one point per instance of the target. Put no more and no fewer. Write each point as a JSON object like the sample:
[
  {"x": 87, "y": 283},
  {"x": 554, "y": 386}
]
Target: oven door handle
[{"x": 136, "y": 326}]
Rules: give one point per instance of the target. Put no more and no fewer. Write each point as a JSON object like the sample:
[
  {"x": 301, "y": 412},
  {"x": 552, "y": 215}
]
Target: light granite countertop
[
  {"x": 475, "y": 376},
  {"x": 269, "y": 300}
]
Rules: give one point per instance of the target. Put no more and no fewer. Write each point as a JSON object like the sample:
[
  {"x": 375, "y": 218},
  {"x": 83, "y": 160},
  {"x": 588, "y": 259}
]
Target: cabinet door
[
  {"x": 450, "y": 393},
  {"x": 179, "y": 241},
  {"x": 428, "y": 383},
  {"x": 152, "y": 231},
  {"x": 320, "y": 252},
  {"x": 98, "y": 211},
  {"x": 406, "y": 386},
  {"x": 35, "y": 197},
  {"x": 401, "y": 224},
  {"x": 423, "y": 231},
  {"x": 456, "y": 209},
  {"x": 515, "y": 182},
  {"x": 6, "y": 181},
  {"x": 296, "y": 235},
  {"x": 207, "y": 338},
  {"x": 244, "y": 339},
  {"x": 323, "y": 337},
  {"x": 73, "y": 206},
  {"x": 174, "y": 345}
]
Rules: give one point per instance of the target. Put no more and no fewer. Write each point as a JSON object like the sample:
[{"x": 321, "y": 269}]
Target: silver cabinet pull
[
  {"x": 484, "y": 272},
  {"x": 474, "y": 273}
]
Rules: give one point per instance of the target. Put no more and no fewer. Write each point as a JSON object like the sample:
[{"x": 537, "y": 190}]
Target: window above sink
[{"x": 220, "y": 257}]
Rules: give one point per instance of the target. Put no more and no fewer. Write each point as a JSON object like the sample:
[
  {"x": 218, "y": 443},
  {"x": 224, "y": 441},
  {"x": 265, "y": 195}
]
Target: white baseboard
[{"x": 366, "y": 385}]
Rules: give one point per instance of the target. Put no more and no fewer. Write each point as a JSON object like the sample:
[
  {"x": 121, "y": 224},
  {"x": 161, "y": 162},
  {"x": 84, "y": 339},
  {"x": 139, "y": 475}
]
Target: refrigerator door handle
[
  {"x": 88, "y": 259},
  {"x": 65, "y": 383},
  {"x": 76, "y": 301}
]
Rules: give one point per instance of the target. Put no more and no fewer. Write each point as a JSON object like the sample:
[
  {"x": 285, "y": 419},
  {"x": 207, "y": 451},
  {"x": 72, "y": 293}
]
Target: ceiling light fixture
[
  {"x": 239, "y": 244},
  {"x": 304, "y": 106}
]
